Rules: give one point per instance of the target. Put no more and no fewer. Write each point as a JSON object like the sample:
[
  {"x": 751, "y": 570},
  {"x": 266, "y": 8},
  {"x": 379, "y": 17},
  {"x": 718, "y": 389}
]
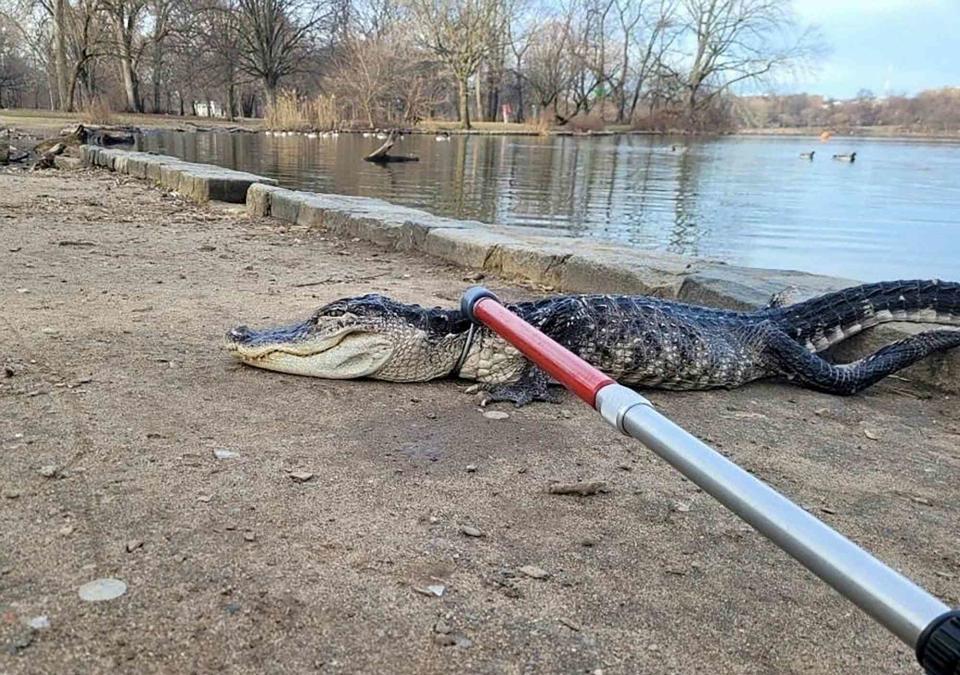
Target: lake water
[{"x": 894, "y": 213}]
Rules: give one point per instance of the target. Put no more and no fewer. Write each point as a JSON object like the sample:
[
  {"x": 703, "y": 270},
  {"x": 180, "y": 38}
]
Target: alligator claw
[{"x": 533, "y": 385}]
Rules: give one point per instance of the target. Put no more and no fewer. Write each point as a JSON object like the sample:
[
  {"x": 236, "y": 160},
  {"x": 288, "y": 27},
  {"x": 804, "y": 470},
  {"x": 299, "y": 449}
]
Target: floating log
[{"x": 381, "y": 156}]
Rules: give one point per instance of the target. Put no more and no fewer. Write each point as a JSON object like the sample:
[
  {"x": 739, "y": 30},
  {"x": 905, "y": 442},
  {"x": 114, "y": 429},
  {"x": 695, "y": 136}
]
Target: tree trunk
[
  {"x": 232, "y": 98},
  {"x": 520, "y": 115},
  {"x": 493, "y": 99},
  {"x": 130, "y": 87},
  {"x": 60, "y": 49},
  {"x": 478, "y": 97},
  {"x": 270, "y": 90},
  {"x": 156, "y": 77},
  {"x": 463, "y": 103},
  {"x": 72, "y": 86}
]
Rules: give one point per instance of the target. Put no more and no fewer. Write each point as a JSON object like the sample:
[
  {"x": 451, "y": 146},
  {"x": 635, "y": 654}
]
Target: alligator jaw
[{"x": 344, "y": 354}]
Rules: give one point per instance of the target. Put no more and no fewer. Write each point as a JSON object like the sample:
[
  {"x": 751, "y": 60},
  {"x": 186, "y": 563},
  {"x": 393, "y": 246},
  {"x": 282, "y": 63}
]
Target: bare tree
[
  {"x": 462, "y": 34},
  {"x": 660, "y": 33},
  {"x": 519, "y": 38},
  {"x": 87, "y": 42},
  {"x": 13, "y": 67},
  {"x": 126, "y": 19},
  {"x": 736, "y": 41},
  {"x": 549, "y": 65},
  {"x": 275, "y": 36}
]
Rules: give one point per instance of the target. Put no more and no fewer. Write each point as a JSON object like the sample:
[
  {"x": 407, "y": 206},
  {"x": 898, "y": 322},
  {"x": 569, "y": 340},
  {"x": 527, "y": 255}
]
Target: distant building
[{"x": 208, "y": 109}]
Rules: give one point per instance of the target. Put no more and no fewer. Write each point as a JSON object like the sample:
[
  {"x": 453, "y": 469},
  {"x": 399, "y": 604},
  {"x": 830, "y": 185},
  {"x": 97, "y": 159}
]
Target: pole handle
[{"x": 938, "y": 647}]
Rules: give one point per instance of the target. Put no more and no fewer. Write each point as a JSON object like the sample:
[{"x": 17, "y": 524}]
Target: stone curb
[
  {"x": 518, "y": 253},
  {"x": 199, "y": 182}
]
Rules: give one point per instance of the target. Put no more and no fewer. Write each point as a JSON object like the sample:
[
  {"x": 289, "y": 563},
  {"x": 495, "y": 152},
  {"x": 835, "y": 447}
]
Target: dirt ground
[{"x": 115, "y": 393}]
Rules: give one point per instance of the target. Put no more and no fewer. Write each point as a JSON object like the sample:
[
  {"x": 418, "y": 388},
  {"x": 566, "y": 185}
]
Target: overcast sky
[{"x": 887, "y": 46}]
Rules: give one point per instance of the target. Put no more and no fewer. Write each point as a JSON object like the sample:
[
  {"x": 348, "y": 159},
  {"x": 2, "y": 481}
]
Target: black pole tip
[
  {"x": 471, "y": 297},
  {"x": 938, "y": 648}
]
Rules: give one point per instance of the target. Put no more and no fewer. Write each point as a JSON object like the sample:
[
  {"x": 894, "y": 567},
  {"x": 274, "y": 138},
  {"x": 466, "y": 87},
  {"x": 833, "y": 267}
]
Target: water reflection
[{"x": 750, "y": 201}]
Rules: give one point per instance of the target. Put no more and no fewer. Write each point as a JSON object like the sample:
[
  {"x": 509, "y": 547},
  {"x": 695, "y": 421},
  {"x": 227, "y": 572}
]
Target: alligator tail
[{"x": 828, "y": 319}]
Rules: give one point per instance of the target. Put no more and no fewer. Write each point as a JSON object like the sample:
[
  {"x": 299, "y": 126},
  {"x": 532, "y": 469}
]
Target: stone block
[
  {"x": 67, "y": 163},
  {"x": 748, "y": 288},
  {"x": 467, "y": 247},
  {"x": 259, "y": 197}
]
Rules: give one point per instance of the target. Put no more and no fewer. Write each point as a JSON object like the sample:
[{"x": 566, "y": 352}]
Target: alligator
[{"x": 639, "y": 341}]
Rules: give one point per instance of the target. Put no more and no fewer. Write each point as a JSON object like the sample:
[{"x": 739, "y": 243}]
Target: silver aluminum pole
[
  {"x": 908, "y": 611},
  {"x": 893, "y": 600}
]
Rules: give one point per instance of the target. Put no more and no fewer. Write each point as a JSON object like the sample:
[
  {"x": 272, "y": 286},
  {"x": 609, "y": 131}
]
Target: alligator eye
[{"x": 239, "y": 334}]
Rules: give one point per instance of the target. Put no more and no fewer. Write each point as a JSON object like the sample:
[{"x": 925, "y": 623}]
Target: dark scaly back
[
  {"x": 436, "y": 322},
  {"x": 828, "y": 319}
]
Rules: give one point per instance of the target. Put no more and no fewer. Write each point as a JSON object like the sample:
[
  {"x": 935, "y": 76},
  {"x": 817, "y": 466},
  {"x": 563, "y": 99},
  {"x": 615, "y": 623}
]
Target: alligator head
[{"x": 368, "y": 336}]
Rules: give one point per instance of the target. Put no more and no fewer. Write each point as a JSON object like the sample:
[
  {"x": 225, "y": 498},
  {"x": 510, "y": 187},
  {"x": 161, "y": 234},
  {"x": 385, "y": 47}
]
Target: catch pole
[{"x": 915, "y": 616}]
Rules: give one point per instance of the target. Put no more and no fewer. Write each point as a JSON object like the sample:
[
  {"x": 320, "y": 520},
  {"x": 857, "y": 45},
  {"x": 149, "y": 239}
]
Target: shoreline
[{"x": 41, "y": 122}]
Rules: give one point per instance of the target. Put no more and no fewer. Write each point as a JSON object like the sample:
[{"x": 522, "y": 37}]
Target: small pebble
[
  {"x": 222, "y": 453},
  {"x": 584, "y": 489},
  {"x": 534, "y": 572},
  {"x": 872, "y": 435},
  {"x": 433, "y": 589},
  {"x": 301, "y": 476},
  {"x": 39, "y": 622},
  {"x": 102, "y": 589},
  {"x": 249, "y": 536},
  {"x": 134, "y": 544},
  {"x": 48, "y": 471},
  {"x": 471, "y": 468},
  {"x": 470, "y": 531},
  {"x": 204, "y": 498},
  {"x": 681, "y": 507},
  {"x": 495, "y": 415},
  {"x": 11, "y": 494}
]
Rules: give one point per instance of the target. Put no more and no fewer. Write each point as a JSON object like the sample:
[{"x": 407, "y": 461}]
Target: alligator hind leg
[
  {"x": 793, "y": 360},
  {"x": 533, "y": 385}
]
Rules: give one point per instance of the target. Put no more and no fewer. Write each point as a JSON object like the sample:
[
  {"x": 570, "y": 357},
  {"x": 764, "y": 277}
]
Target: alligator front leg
[{"x": 533, "y": 385}]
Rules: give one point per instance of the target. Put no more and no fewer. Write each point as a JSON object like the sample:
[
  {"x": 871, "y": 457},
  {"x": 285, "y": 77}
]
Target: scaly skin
[{"x": 637, "y": 340}]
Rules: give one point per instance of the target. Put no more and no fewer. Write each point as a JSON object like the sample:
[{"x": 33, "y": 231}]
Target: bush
[
  {"x": 291, "y": 113},
  {"x": 97, "y": 111},
  {"x": 586, "y": 123}
]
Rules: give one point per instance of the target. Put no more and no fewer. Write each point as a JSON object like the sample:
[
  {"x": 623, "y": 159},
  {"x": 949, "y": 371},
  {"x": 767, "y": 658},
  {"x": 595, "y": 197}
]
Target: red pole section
[{"x": 560, "y": 363}]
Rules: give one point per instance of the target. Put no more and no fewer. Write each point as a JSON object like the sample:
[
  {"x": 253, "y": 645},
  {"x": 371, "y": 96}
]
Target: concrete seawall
[{"x": 565, "y": 264}]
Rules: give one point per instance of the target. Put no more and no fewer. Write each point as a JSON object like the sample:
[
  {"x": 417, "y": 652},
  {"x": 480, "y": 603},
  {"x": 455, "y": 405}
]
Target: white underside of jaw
[{"x": 351, "y": 356}]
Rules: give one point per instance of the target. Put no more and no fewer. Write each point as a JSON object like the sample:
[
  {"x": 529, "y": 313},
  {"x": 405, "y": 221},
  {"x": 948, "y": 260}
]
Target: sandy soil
[{"x": 115, "y": 393}]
